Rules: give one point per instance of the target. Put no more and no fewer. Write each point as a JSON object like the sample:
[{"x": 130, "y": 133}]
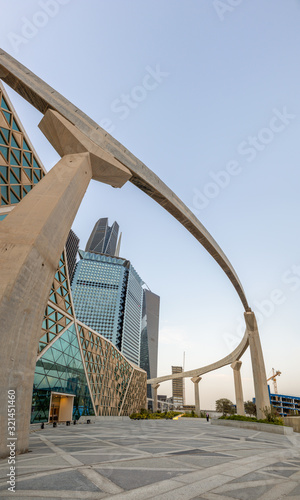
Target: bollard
[
  {"x": 88, "y": 421},
  {"x": 74, "y": 422},
  {"x": 54, "y": 424},
  {"x": 68, "y": 422},
  {"x": 42, "y": 425}
]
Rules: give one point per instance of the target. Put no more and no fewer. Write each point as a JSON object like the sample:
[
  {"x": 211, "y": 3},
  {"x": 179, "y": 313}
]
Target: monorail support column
[
  {"x": 155, "y": 387},
  {"x": 236, "y": 366},
  {"x": 32, "y": 239},
  {"x": 196, "y": 381},
  {"x": 262, "y": 399}
]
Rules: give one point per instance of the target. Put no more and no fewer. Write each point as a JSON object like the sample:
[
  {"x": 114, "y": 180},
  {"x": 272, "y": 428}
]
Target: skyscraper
[
  {"x": 72, "y": 247},
  {"x": 177, "y": 387},
  {"x": 108, "y": 297},
  {"x": 103, "y": 238},
  {"x": 149, "y": 336}
]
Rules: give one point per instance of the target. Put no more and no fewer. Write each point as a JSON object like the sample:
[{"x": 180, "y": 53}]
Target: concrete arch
[
  {"x": 230, "y": 358},
  {"x": 43, "y": 97},
  {"x": 31, "y": 240}
]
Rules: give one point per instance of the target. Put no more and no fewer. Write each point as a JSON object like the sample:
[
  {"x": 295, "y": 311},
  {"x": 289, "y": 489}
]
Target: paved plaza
[{"x": 165, "y": 460}]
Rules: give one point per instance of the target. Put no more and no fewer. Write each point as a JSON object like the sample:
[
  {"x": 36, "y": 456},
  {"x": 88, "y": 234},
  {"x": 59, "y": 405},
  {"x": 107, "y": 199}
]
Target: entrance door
[{"x": 61, "y": 407}]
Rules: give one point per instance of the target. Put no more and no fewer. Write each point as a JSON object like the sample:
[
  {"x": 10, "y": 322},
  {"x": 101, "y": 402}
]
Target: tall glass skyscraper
[
  {"x": 103, "y": 238},
  {"x": 149, "y": 336},
  {"x": 108, "y": 297},
  {"x": 72, "y": 247}
]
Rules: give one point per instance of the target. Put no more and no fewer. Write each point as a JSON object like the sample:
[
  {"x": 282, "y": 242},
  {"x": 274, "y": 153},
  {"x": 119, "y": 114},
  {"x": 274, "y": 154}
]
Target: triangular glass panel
[
  {"x": 13, "y": 198},
  {"x": 25, "y": 162},
  {"x": 4, "y": 172},
  {"x": 4, "y": 192},
  {"x": 25, "y": 145},
  {"x": 17, "y": 191},
  {"x": 35, "y": 163},
  {"x": 35, "y": 178},
  {"x": 37, "y": 172},
  {"x": 28, "y": 156},
  {"x": 4, "y": 136},
  {"x": 4, "y": 151},
  {"x": 7, "y": 116},
  {"x": 4, "y": 104},
  {"x": 17, "y": 173},
  {"x": 15, "y": 157},
  {"x": 28, "y": 172},
  {"x": 15, "y": 126},
  {"x": 27, "y": 188},
  {"x": 14, "y": 143}
]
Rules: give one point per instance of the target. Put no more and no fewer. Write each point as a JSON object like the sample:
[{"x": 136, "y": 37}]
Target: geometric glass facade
[
  {"x": 110, "y": 385},
  {"x": 20, "y": 168},
  {"x": 60, "y": 369}
]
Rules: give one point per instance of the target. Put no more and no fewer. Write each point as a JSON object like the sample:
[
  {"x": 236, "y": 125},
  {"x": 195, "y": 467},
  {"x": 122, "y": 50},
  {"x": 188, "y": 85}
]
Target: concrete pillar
[
  {"x": 196, "y": 381},
  {"x": 236, "y": 366},
  {"x": 262, "y": 399},
  {"x": 155, "y": 387},
  {"x": 31, "y": 241}
]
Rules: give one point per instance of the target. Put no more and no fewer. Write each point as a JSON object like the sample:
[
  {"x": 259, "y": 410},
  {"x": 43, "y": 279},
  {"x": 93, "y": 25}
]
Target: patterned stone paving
[{"x": 164, "y": 460}]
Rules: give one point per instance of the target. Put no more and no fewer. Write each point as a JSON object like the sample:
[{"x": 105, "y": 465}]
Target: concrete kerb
[
  {"x": 293, "y": 422},
  {"x": 255, "y": 426}
]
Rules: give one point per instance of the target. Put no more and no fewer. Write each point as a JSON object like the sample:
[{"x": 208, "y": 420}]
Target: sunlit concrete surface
[{"x": 163, "y": 460}]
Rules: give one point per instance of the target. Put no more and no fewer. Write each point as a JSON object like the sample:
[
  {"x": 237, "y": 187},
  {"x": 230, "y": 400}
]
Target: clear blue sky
[{"x": 192, "y": 90}]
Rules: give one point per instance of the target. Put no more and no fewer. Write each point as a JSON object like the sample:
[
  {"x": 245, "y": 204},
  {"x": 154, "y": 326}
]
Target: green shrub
[
  {"x": 190, "y": 415},
  {"x": 146, "y": 415},
  {"x": 274, "y": 421}
]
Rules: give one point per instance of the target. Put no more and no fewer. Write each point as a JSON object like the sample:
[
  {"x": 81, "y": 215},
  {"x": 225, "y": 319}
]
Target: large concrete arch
[
  {"x": 31, "y": 239},
  {"x": 43, "y": 97},
  {"x": 230, "y": 358},
  {"x": 251, "y": 339}
]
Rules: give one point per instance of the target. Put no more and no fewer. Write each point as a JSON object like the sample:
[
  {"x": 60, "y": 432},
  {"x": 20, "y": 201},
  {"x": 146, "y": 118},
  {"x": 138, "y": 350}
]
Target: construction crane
[{"x": 273, "y": 377}]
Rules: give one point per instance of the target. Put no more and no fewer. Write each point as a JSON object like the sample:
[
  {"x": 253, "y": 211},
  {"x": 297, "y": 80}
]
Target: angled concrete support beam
[
  {"x": 239, "y": 398},
  {"x": 196, "y": 381},
  {"x": 155, "y": 387},
  {"x": 262, "y": 398},
  {"x": 32, "y": 238}
]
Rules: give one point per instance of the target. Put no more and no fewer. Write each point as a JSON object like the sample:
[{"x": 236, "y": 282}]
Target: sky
[{"x": 206, "y": 94}]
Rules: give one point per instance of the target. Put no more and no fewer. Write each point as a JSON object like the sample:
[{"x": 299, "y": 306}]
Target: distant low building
[
  {"x": 188, "y": 408},
  {"x": 285, "y": 405},
  {"x": 177, "y": 388}
]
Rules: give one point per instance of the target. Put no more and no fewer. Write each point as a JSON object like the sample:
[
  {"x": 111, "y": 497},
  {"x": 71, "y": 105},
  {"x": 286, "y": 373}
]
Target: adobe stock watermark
[
  {"x": 223, "y": 7},
  {"x": 249, "y": 149},
  {"x": 11, "y": 440},
  {"x": 265, "y": 308},
  {"x": 126, "y": 103},
  {"x": 31, "y": 26}
]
